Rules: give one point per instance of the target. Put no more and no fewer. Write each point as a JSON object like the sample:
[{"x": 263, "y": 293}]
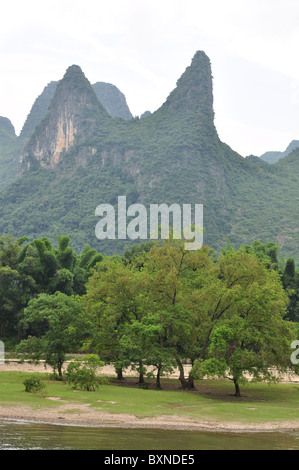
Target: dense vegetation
[
  {"x": 9, "y": 153},
  {"x": 225, "y": 309},
  {"x": 157, "y": 306}
]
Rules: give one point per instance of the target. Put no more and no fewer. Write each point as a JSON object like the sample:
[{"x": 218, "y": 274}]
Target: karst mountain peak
[
  {"x": 85, "y": 150},
  {"x": 73, "y": 114}
]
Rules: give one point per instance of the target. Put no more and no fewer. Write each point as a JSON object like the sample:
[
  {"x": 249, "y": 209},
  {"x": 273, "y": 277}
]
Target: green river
[{"x": 21, "y": 435}]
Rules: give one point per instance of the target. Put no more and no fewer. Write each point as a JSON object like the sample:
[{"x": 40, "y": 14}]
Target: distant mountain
[
  {"x": 73, "y": 116},
  {"x": 11, "y": 148},
  {"x": 80, "y": 156},
  {"x": 273, "y": 157},
  {"x": 113, "y": 100},
  {"x": 146, "y": 113},
  {"x": 38, "y": 111}
]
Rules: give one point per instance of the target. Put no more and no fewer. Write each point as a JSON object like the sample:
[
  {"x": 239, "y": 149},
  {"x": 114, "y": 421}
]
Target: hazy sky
[{"x": 144, "y": 46}]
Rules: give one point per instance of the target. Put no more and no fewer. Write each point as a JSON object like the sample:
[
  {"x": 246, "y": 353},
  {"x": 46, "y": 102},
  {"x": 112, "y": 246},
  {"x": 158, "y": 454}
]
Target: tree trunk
[
  {"x": 59, "y": 368},
  {"x": 187, "y": 384},
  {"x": 141, "y": 378},
  {"x": 182, "y": 374},
  {"x": 191, "y": 385},
  {"x": 158, "y": 383},
  {"x": 190, "y": 378},
  {"x": 237, "y": 388},
  {"x": 141, "y": 373},
  {"x": 205, "y": 346},
  {"x": 119, "y": 373}
]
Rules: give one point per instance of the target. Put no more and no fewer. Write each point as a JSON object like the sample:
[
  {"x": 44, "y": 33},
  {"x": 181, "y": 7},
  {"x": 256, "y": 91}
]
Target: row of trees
[{"x": 156, "y": 308}]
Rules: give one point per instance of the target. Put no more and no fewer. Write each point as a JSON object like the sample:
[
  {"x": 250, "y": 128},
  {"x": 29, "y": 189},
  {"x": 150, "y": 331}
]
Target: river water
[{"x": 21, "y": 435}]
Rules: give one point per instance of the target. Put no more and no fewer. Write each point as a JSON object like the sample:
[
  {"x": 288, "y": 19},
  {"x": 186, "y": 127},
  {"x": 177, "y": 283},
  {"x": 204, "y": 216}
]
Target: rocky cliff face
[
  {"x": 113, "y": 100},
  {"x": 73, "y": 115},
  {"x": 12, "y": 150}
]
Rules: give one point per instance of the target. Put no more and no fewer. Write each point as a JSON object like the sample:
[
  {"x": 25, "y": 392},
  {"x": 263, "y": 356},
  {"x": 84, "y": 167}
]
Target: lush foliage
[
  {"x": 156, "y": 308},
  {"x": 10, "y": 148},
  {"x": 52, "y": 319},
  {"x": 28, "y": 269},
  {"x": 171, "y": 306}
]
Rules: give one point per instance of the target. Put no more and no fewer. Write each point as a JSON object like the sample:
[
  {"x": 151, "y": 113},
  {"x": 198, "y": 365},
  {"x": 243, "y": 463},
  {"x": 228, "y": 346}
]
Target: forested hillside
[{"x": 80, "y": 156}]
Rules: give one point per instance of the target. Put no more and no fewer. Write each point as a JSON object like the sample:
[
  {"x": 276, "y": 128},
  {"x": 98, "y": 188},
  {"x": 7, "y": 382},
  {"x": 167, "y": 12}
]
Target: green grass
[{"x": 212, "y": 400}]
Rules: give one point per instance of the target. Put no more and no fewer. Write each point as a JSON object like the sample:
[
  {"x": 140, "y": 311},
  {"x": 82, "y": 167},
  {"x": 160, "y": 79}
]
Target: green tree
[
  {"x": 248, "y": 333},
  {"x": 10, "y": 300},
  {"x": 51, "y": 319},
  {"x": 12, "y": 287},
  {"x": 47, "y": 269},
  {"x": 144, "y": 346},
  {"x": 289, "y": 271},
  {"x": 39, "y": 266},
  {"x": 174, "y": 276},
  {"x": 290, "y": 280},
  {"x": 114, "y": 299},
  {"x": 266, "y": 251}
]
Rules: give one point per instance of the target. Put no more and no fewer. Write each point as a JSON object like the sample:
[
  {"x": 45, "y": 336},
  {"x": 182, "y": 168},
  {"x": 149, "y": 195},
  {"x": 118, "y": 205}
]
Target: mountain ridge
[
  {"x": 74, "y": 102},
  {"x": 173, "y": 155},
  {"x": 275, "y": 156},
  {"x": 11, "y": 154}
]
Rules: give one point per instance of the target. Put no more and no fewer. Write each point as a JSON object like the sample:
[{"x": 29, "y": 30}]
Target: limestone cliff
[
  {"x": 73, "y": 115},
  {"x": 113, "y": 100}
]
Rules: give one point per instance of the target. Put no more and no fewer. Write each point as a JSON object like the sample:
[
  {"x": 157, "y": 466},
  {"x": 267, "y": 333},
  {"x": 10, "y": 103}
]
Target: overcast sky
[{"x": 144, "y": 46}]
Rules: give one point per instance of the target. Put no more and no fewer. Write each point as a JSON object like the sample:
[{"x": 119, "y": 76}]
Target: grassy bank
[{"x": 211, "y": 401}]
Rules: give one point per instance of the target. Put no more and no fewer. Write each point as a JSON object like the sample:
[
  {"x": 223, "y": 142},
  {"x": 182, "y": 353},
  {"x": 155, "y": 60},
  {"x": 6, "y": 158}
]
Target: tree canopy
[{"x": 156, "y": 308}]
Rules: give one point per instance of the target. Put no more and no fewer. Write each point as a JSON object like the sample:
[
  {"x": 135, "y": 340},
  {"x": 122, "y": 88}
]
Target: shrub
[
  {"x": 34, "y": 384},
  {"x": 81, "y": 373}
]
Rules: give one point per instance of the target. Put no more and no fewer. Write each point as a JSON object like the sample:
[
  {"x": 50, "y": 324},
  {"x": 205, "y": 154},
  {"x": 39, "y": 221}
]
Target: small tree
[
  {"x": 82, "y": 373},
  {"x": 249, "y": 344},
  {"x": 50, "y": 318}
]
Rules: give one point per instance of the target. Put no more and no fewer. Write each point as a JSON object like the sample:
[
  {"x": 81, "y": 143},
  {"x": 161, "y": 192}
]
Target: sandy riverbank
[{"x": 84, "y": 415}]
